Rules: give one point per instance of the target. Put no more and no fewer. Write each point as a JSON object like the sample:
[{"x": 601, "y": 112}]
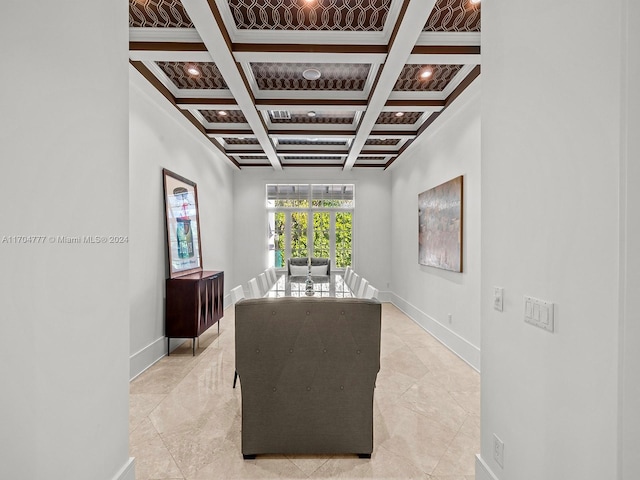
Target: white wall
[
  {"x": 449, "y": 148},
  {"x": 550, "y": 192},
  {"x": 371, "y": 235},
  {"x": 161, "y": 137},
  {"x": 630, "y": 258},
  {"x": 65, "y": 316}
]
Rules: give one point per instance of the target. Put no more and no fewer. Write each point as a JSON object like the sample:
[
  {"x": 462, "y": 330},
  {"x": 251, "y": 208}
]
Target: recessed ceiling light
[
  {"x": 312, "y": 74},
  {"x": 399, "y": 114},
  {"x": 311, "y": 114},
  {"x": 222, "y": 113},
  {"x": 193, "y": 70},
  {"x": 426, "y": 73}
]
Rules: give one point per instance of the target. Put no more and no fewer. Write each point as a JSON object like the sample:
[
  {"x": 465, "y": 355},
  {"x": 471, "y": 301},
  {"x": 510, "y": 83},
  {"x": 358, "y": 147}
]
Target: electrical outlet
[{"x": 498, "y": 450}]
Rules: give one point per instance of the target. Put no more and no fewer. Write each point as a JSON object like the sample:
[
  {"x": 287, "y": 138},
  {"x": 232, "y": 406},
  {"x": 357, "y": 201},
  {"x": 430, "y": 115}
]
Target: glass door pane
[
  {"x": 277, "y": 243},
  {"x": 299, "y": 225},
  {"x": 344, "y": 222},
  {"x": 321, "y": 234}
]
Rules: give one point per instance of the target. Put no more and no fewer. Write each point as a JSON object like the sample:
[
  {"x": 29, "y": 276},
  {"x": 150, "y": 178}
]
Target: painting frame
[
  {"x": 440, "y": 226},
  {"x": 182, "y": 221}
]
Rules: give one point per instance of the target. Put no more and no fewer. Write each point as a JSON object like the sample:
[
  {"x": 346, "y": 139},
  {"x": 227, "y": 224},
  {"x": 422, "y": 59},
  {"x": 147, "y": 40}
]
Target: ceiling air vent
[{"x": 280, "y": 114}]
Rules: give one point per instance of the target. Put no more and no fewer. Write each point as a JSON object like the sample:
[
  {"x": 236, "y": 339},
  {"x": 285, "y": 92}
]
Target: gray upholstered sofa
[
  {"x": 304, "y": 261},
  {"x": 307, "y": 369}
]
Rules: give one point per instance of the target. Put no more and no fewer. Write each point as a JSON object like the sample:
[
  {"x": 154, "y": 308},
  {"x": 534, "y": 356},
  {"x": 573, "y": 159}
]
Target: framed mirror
[{"x": 183, "y": 224}]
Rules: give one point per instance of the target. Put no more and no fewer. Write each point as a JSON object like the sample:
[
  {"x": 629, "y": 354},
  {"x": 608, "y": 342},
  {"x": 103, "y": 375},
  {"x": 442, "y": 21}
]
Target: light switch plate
[
  {"x": 497, "y": 298},
  {"x": 539, "y": 313}
]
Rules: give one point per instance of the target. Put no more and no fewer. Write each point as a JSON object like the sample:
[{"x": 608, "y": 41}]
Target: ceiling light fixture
[
  {"x": 311, "y": 114},
  {"x": 426, "y": 73},
  {"x": 193, "y": 70},
  {"x": 399, "y": 114},
  {"x": 474, "y": 2},
  {"x": 222, "y": 113},
  {"x": 312, "y": 74}
]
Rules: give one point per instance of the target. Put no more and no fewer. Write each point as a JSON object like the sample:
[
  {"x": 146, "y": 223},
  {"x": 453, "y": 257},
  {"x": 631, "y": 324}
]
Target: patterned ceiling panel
[
  {"x": 379, "y": 141},
  {"x": 289, "y": 141},
  {"x": 320, "y": 117},
  {"x": 158, "y": 13},
  {"x": 410, "y": 78},
  {"x": 371, "y": 159},
  {"x": 241, "y": 141},
  {"x": 341, "y": 15},
  {"x": 254, "y": 157},
  {"x": 229, "y": 116},
  {"x": 288, "y": 76},
  {"x": 454, "y": 16},
  {"x": 209, "y": 78},
  {"x": 392, "y": 118}
]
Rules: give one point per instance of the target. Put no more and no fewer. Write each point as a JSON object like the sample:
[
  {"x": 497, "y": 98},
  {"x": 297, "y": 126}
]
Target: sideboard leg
[{"x": 168, "y": 346}]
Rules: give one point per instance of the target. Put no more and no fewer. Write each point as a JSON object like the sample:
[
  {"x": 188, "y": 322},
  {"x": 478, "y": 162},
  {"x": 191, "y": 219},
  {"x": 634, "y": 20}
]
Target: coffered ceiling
[{"x": 283, "y": 83}]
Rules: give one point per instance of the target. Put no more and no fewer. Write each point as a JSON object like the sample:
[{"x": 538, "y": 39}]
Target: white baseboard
[
  {"x": 152, "y": 353},
  {"x": 454, "y": 342},
  {"x": 483, "y": 472},
  {"x": 144, "y": 358},
  {"x": 128, "y": 471}
]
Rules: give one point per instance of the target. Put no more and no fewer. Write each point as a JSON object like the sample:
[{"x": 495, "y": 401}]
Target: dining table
[{"x": 332, "y": 285}]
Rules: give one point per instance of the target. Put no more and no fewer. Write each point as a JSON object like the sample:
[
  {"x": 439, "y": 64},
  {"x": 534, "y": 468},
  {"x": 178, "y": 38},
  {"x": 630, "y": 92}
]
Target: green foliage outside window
[{"x": 320, "y": 233}]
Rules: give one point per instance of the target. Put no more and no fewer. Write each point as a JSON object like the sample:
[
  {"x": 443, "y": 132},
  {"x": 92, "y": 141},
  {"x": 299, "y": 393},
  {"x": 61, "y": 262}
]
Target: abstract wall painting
[{"x": 440, "y": 226}]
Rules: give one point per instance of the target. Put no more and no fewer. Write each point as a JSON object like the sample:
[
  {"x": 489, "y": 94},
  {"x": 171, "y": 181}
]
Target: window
[{"x": 310, "y": 220}]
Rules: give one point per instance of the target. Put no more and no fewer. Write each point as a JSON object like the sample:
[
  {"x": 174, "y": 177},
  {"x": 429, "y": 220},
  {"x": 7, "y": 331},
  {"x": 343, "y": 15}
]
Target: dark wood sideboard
[{"x": 194, "y": 303}]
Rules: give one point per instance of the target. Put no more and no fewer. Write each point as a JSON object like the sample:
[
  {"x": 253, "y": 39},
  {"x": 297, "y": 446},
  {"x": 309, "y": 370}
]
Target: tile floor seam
[
  {"x": 450, "y": 443},
  {"x": 175, "y": 461}
]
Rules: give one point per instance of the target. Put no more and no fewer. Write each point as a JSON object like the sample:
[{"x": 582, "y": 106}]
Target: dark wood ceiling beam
[
  {"x": 311, "y": 101},
  {"x": 237, "y": 151},
  {"x": 311, "y": 164},
  {"x": 312, "y": 133},
  {"x": 365, "y": 152},
  {"x": 415, "y": 103},
  {"x": 445, "y": 50},
  {"x": 307, "y": 48},
  {"x": 206, "y": 101},
  {"x": 220, "y": 132},
  {"x": 167, "y": 47}
]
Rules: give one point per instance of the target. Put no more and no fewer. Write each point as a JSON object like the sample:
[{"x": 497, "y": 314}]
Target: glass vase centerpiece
[{"x": 308, "y": 290}]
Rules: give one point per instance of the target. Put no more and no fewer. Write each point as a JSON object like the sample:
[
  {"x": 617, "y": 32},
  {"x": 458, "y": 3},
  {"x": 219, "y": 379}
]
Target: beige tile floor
[{"x": 185, "y": 417}]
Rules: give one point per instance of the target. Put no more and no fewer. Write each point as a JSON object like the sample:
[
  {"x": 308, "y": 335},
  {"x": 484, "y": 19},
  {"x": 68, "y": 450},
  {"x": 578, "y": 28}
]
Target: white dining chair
[
  {"x": 272, "y": 276},
  {"x": 264, "y": 285},
  {"x": 347, "y": 273},
  {"x": 354, "y": 282},
  {"x": 254, "y": 289},
  {"x": 237, "y": 294},
  {"x": 372, "y": 292},
  {"x": 349, "y": 279},
  {"x": 364, "y": 283}
]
